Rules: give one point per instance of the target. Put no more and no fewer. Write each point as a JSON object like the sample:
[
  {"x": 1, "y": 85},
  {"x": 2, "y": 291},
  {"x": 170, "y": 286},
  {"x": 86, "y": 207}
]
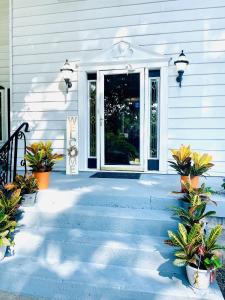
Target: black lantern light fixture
[
  {"x": 67, "y": 72},
  {"x": 181, "y": 64}
]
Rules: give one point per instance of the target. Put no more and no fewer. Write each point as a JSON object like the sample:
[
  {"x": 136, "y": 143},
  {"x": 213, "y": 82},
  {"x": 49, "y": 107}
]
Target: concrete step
[
  {"x": 153, "y": 255},
  {"x": 141, "y": 201},
  {"x": 123, "y": 220},
  {"x": 69, "y": 280}
]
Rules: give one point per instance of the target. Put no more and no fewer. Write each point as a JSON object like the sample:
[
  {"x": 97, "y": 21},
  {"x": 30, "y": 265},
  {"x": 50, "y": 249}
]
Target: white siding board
[
  {"x": 78, "y": 46},
  {"x": 196, "y": 112},
  {"x": 4, "y": 43},
  {"x": 150, "y": 8},
  {"x": 44, "y": 97},
  {"x": 197, "y": 133},
  {"x": 47, "y": 32},
  {"x": 191, "y": 123}
]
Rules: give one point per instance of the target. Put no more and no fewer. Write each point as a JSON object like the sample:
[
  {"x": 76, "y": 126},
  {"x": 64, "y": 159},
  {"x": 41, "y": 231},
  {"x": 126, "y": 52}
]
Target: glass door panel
[{"x": 122, "y": 138}]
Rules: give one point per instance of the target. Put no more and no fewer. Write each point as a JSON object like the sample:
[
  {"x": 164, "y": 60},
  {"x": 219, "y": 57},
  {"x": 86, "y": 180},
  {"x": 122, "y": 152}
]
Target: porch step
[
  {"x": 142, "y": 200},
  {"x": 96, "y": 281},
  {"x": 152, "y": 255},
  {"x": 109, "y": 219}
]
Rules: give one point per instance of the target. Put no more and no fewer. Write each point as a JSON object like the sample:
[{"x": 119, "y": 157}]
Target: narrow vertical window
[
  {"x": 92, "y": 88},
  {"x": 154, "y": 116}
]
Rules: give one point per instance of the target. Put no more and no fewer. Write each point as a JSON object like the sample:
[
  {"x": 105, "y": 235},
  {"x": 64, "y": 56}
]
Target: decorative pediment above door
[{"x": 123, "y": 52}]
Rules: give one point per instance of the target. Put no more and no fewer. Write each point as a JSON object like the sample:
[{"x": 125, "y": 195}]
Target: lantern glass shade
[
  {"x": 181, "y": 63},
  {"x": 67, "y": 71}
]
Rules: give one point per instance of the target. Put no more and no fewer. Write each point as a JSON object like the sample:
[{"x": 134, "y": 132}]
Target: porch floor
[{"x": 90, "y": 238}]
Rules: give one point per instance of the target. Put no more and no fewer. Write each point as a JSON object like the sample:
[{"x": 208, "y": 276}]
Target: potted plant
[
  {"x": 10, "y": 203},
  {"x": 7, "y": 226},
  {"x": 182, "y": 164},
  {"x": 41, "y": 159},
  {"x": 197, "y": 252},
  {"x": 193, "y": 197},
  {"x": 28, "y": 186},
  {"x": 201, "y": 164},
  {"x": 195, "y": 214}
]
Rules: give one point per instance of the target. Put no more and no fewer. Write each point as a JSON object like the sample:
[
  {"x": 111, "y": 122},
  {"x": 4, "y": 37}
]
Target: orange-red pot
[
  {"x": 183, "y": 180},
  {"x": 42, "y": 179},
  {"x": 195, "y": 182}
]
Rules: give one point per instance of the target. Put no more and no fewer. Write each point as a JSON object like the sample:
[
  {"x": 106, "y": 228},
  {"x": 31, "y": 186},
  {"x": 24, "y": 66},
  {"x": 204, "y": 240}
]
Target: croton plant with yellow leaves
[{"x": 188, "y": 163}]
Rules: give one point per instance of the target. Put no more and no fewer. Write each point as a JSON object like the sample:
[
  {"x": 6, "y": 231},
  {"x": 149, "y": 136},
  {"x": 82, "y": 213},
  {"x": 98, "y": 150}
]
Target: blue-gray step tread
[
  {"x": 124, "y": 220},
  {"x": 68, "y": 280}
]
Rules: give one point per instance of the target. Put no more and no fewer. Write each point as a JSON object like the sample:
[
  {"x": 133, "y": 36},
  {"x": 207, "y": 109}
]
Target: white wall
[
  {"x": 46, "y": 32},
  {"x": 4, "y": 43}
]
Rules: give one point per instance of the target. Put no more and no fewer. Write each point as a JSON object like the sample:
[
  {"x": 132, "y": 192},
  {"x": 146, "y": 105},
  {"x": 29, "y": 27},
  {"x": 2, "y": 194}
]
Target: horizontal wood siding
[
  {"x": 46, "y": 32},
  {"x": 4, "y": 43}
]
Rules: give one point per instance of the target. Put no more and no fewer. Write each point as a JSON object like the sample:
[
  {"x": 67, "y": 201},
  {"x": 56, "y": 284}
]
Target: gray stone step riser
[
  {"x": 160, "y": 260},
  {"x": 109, "y": 224}
]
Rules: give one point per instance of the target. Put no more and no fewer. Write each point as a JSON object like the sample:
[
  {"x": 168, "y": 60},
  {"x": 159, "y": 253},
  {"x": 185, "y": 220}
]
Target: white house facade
[{"x": 131, "y": 109}]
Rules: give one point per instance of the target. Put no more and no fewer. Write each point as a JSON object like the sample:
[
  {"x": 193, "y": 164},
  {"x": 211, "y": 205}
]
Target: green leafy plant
[
  {"x": 7, "y": 226},
  {"x": 201, "y": 164},
  {"x": 197, "y": 196},
  {"x": 223, "y": 185},
  {"x": 182, "y": 163},
  {"x": 27, "y": 184},
  {"x": 9, "y": 203},
  {"x": 195, "y": 214},
  {"x": 40, "y": 157},
  {"x": 195, "y": 248}
]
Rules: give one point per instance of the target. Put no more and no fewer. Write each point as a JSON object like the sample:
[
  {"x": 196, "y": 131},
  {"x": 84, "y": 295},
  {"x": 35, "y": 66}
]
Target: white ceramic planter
[
  {"x": 203, "y": 278},
  {"x": 2, "y": 252},
  {"x": 29, "y": 199}
]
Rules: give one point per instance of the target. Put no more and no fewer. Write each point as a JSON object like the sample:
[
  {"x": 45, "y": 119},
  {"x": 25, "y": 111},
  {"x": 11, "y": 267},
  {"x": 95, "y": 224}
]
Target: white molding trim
[{"x": 110, "y": 60}]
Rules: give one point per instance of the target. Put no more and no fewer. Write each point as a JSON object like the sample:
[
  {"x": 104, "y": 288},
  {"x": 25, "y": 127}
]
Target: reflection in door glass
[
  {"x": 92, "y": 117},
  {"x": 122, "y": 119},
  {"x": 154, "y": 117}
]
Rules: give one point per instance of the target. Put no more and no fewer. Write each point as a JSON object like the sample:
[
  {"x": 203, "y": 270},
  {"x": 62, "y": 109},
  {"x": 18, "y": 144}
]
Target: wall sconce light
[
  {"x": 67, "y": 72},
  {"x": 181, "y": 64}
]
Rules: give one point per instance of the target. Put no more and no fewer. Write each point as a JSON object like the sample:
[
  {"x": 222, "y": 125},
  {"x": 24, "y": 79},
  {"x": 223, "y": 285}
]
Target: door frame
[
  {"x": 86, "y": 67},
  {"x": 101, "y": 129}
]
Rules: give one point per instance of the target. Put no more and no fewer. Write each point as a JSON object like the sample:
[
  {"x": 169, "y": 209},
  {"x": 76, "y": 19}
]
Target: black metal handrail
[{"x": 9, "y": 155}]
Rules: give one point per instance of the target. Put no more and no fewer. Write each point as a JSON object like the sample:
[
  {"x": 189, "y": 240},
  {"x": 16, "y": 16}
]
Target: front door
[{"x": 121, "y": 120}]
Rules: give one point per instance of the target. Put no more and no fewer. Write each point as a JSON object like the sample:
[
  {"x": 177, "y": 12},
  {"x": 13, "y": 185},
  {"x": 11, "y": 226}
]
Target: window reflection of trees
[{"x": 122, "y": 118}]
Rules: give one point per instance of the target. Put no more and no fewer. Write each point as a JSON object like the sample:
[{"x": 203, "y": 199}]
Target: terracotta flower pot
[
  {"x": 195, "y": 182},
  {"x": 183, "y": 180},
  {"x": 42, "y": 179}
]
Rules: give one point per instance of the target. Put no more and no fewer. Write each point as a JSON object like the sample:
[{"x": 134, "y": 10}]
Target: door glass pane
[
  {"x": 92, "y": 117},
  {"x": 122, "y": 119},
  {"x": 154, "y": 117}
]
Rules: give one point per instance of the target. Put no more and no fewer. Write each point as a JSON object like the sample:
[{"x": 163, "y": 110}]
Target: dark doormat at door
[{"x": 116, "y": 175}]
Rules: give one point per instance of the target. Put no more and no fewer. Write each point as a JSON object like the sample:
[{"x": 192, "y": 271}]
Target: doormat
[{"x": 116, "y": 175}]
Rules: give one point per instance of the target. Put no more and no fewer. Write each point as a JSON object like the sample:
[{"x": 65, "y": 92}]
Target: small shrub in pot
[
  {"x": 41, "y": 159},
  {"x": 198, "y": 252},
  {"x": 28, "y": 186}
]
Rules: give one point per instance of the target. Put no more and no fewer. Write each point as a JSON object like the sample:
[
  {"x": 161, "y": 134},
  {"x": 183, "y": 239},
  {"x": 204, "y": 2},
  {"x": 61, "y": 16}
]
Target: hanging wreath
[{"x": 72, "y": 151}]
